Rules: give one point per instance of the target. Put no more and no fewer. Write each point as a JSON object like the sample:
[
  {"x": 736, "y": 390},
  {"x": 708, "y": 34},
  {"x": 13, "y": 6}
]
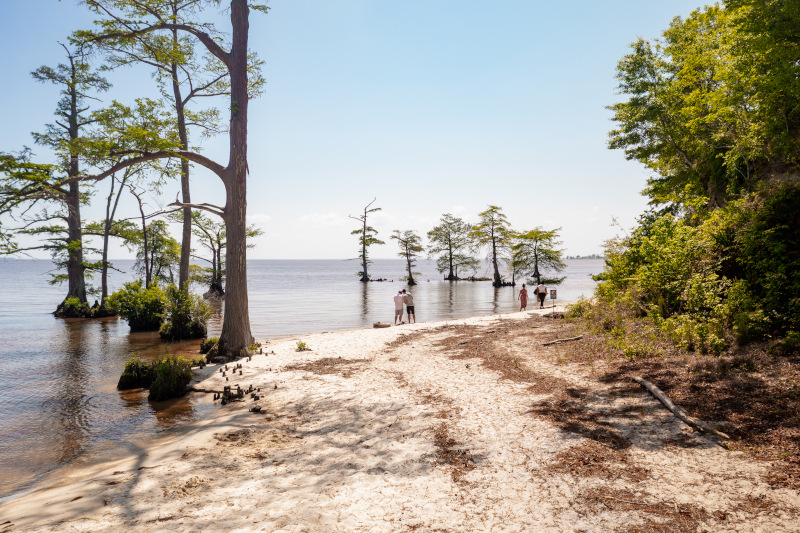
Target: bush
[
  {"x": 142, "y": 308},
  {"x": 172, "y": 375},
  {"x": 137, "y": 374},
  {"x": 73, "y": 308},
  {"x": 208, "y": 343},
  {"x": 186, "y": 315}
]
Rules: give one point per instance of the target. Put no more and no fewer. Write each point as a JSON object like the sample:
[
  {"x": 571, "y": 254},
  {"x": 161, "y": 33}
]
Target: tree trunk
[
  {"x": 144, "y": 242},
  {"x": 77, "y": 283},
  {"x": 497, "y": 281},
  {"x": 410, "y": 275},
  {"x": 364, "y": 275},
  {"x": 236, "y": 337},
  {"x": 450, "y": 276},
  {"x": 186, "y": 235}
]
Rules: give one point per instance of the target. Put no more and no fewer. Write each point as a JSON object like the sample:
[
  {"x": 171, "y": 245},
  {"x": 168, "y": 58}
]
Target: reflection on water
[{"x": 58, "y": 381}]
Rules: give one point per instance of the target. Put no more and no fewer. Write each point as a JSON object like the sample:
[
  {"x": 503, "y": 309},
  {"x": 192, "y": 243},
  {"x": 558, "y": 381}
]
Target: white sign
[{"x": 552, "y": 294}]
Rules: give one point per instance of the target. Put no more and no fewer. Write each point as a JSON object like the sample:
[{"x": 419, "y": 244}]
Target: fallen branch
[
  {"x": 198, "y": 389},
  {"x": 677, "y": 411},
  {"x": 562, "y": 340}
]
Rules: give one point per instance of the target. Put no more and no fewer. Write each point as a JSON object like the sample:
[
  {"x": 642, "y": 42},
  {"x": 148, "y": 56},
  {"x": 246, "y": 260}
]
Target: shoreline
[
  {"x": 72, "y": 471},
  {"x": 416, "y": 428},
  {"x": 93, "y": 459}
]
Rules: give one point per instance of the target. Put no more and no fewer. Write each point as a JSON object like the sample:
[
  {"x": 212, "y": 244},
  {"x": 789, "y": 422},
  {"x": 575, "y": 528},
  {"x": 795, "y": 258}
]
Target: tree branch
[
  {"x": 202, "y": 36},
  {"x": 213, "y": 166},
  {"x": 219, "y": 211}
]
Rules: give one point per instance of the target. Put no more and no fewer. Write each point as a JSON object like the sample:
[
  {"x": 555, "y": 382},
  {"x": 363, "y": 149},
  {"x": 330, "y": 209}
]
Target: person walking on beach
[
  {"x": 542, "y": 293},
  {"x": 398, "y": 307},
  {"x": 409, "y": 301},
  {"x": 523, "y": 298}
]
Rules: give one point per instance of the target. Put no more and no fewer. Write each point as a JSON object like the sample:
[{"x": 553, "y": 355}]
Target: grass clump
[
  {"x": 166, "y": 378},
  {"x": 172, "y": 375}
]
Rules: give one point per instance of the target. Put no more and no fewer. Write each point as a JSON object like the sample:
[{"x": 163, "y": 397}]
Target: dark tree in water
[
  {"x": 493, "y": 233},
  {"x": 451, "y": 240},
  {"x": 367, "y": 236},
  {"x": 236, "y": 336},
  {"x": 25, "y": 184},
  {"x": 410, "y": 248},
  {"x": 536, "y": 251}
]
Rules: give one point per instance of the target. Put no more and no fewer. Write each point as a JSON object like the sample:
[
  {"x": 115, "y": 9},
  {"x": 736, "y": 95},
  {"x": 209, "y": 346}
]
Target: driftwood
[
  {"x": 562, "y": 340},
  {"x": 677, "y": 411},
  {"x": 381, "y": 325}
]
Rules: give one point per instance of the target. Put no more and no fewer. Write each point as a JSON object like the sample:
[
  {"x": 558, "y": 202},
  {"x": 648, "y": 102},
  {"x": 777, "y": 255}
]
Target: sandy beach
[{"x": 462, "y": 425}]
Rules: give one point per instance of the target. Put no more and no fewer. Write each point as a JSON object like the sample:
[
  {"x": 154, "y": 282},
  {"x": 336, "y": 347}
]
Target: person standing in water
[
  {"x": 398, "y": 307},
  {"x": 542, "y": 288},
  {"x": 523, "y": 298}
]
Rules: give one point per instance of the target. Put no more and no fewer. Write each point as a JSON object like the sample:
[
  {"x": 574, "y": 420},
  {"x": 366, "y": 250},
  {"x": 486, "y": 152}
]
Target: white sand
[{"x": 357, "y": 453}]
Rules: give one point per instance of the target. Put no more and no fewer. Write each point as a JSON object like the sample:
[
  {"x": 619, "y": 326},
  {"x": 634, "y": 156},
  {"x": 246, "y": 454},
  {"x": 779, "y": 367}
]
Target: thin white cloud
[
  {"x": 326, "y": 219},
  {"x": 258, "y": 218}
]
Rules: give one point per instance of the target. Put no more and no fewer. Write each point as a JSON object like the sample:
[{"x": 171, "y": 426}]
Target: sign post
[{"x": 553, "y": 297}]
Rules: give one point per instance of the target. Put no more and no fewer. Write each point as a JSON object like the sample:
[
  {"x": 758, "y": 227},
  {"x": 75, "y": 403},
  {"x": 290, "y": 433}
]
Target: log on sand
[
  {"x": 562, "y": 340},
  {"x": 695, "y": 423}
]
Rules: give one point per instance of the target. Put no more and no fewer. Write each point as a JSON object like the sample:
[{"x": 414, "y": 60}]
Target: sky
[{"x": 428, "y": 107}]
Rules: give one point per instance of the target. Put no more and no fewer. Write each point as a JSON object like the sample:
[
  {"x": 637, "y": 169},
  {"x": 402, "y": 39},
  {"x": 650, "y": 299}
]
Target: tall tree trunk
[
  {"x": 186, "y": 235},
  {"x": 77, "y": 283},
  {"x": 497, "y": 281},
  {"x": 410, "y": 275},
  {"x": 364, "y": 275},
  {"x": 75, "y": 275},
  {"x": 450, "y": 276},
  {"x": 147, "y": 272},
  {"x": 236, "y": 337}
]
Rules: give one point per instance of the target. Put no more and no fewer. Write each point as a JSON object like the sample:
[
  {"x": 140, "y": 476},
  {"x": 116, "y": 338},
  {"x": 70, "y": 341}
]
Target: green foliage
[
  {"x": 493, "y": 233},
  {"x": 733, "y": 276},
  {"x": 535, "y": 252},
  {"x": 185, "y": 315},
  {"x": 73, "y": 308},
  {"x": 143, "y": 308},
  {"x": 172, "y": 375},
  {"x": 450, "y": 239},
  {"x": 410, "y": 245},
  {"x": 302, "y": 346},
  {"x": 137, "y": 374},
  {"x": 367, "y": 236},
  {"x": 208, "y": 343}
]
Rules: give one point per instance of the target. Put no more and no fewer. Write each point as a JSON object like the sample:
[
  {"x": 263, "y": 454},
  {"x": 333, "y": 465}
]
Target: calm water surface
[{"x": 58, "y": 399}]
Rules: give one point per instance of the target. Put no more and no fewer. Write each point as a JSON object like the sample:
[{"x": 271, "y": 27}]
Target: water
[{"x": 58, "y": 399}]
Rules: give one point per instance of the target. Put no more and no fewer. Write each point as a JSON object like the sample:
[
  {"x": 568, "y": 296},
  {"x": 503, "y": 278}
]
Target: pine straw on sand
[
  {"x": 331, "y": 365},
  {"x": 660, "y": 516},
  {"x": 751, "y": 396}
]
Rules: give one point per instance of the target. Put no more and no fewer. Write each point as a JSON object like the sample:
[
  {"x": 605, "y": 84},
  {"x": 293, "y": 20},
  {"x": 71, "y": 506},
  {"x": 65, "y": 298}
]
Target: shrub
[
  {"x": 302, "y": 346},
  {"x": 186, "y": 315},
  {"x": 137, "y": 374},
  {"x": 73, "y": 308},
  {"x": 580, "y": 309},
  {"x": 142, "y": 308},
  {"x": 208, "y": 343},
  {"x": 172, "y": 375}
]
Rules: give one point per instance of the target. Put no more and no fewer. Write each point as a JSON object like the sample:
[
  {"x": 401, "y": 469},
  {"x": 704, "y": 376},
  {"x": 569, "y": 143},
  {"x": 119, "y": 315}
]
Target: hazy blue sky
[{"x": 430, "y": 106}]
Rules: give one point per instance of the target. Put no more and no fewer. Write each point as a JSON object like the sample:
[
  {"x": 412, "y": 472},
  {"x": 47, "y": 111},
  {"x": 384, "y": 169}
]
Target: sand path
[{"x": 401, "y": 429}]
